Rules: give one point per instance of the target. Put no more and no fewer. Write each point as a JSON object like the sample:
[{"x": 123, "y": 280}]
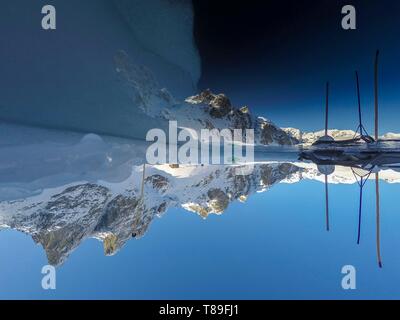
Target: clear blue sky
[{"x": 276, "y": 56}]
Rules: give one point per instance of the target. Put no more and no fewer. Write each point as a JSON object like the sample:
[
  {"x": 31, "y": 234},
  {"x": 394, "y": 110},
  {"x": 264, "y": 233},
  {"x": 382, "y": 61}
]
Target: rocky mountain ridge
[{"x": 59, "y": 219}]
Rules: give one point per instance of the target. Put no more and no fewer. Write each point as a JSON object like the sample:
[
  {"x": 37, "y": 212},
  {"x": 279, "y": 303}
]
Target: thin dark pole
[
  {"x": 378, "y": 229},
  {"x": 359, "y": 104},
  {"x": 360, "y": 211},
  {"x": 143, "y": 178},
  {"x": 327, "y": 109},
  {"x": 376, "y": 96},
  {"x": 326, "y": 203},
  {"x": 140, "y": 205}
]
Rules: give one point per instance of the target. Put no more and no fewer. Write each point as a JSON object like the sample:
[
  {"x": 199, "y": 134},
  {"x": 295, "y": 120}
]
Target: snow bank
[
  {"x": 67, "y": 78},
  {"x": 165, "y": 27}
]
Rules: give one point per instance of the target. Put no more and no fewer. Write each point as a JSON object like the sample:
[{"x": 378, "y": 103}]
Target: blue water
[{"x": 272, "y": 247}]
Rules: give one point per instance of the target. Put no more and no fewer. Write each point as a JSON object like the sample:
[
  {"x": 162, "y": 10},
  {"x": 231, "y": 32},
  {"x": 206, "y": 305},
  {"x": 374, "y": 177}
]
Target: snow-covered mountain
[
  {"x": 215, "y": 111},
  {"x": 61, "y": 218},
  {"x": 63, "y": 187},
  {"x": 308, "y": 138},
  {"x": 115, "y": 209},
  {"x": 69, "y": 78},
  {"x": 118, "y": 67}
]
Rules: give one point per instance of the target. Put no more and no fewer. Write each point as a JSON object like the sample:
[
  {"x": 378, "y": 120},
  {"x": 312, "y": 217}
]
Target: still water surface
[{"x": 193, "y": 231}]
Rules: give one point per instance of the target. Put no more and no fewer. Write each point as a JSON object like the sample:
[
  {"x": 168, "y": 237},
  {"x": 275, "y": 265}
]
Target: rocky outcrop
[
  {"x": 110, "y": 244},
  {"x": 205, "y": 97},
  {"x": 219, "y": 201},
  {"x": 269, "y": 133},
  {"x": 219, "y": 107},
  {"x": 61, "y": 219},
  {"x": 158, "y": 182}
]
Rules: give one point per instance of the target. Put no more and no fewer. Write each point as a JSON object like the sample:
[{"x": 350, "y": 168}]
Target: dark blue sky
[{"x": 276, "y": 56}]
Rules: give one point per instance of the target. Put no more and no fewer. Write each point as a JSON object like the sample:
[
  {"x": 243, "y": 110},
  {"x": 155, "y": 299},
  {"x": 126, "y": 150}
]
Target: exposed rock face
[
  {"x": 270, "y": 176},
  {"x": 242, "y": 120},
  {"x": 270, "y": 133},
  {"x": 205, "y": 97},
  {"x": 219, "y": 107},
  {"x": 110, "y": 244},
  {"x": 201, "y": 211},
  {"x": 64, "y": 221},
  {"x": 117, "y": 211},
  {"x": 244, "y": 109},
  {"x": 219, "y": 201},
  {"x": 61, "y": 220},
  {"x": 158, "y": 182}
]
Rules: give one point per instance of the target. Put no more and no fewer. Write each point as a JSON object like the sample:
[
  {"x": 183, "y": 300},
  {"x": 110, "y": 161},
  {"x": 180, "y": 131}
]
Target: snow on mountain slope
[
  {"x": 67, "y": 78},
  {"x": 215, "y": 111},
  {"x": 342, "y": 175},
  {"x": 391, "y": 135},
  {"x": 164, "y": 27},
  {"x": 112, "y": 67},
  {"x": 308, "y": 138},
  {"x": 34, "y": 159},
  {"x": 61, "y": 218}
]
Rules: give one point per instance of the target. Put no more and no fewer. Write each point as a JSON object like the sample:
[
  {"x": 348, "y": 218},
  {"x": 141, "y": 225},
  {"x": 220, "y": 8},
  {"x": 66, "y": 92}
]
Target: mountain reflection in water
[{"x": 68, "y": 189}]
